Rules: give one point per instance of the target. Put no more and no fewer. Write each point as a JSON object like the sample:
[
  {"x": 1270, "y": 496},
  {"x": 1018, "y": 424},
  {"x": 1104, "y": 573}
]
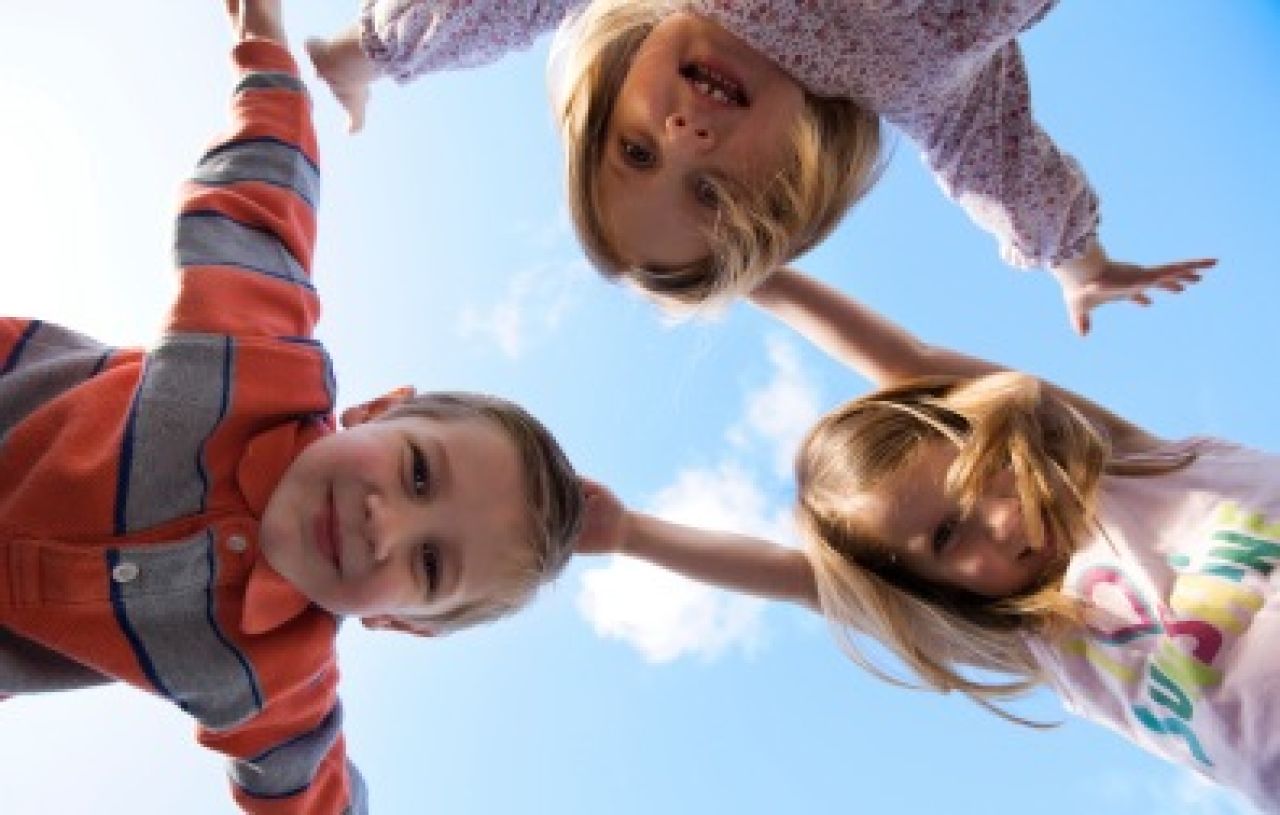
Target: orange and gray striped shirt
[{"x": 132, "y": 482}]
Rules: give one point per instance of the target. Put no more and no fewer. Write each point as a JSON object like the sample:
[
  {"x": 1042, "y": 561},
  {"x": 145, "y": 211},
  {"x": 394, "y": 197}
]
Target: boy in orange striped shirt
[{"x": 185, "y": 519}]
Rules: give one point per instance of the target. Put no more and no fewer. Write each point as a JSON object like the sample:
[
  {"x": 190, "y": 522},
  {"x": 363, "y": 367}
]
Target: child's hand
[
  {"x": 604, "y": 525},
  {"x": 342, "y": 64},
  {"x": 257, "y": 20},
  {"x": 1094, "y": 279}
]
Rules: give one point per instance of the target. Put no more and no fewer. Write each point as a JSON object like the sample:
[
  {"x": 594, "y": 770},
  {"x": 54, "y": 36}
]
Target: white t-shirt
[{"x": 1180, "y": 653}]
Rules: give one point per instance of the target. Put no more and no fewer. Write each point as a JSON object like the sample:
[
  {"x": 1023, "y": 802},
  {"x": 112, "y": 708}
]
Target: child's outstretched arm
[
  {"x": 404, "y": 39},
  {"x": 989, "y": 154},
  {"x": 735, "y": 562},
  {"x": 882, "y": 351},
  {"x": 886, "y": 353}
]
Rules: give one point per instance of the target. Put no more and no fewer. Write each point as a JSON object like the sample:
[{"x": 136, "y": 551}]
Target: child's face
[
  {"x": 986, "y": 552},
  {"x": 697, "y": 102},
  {"x": 407, "y": 516}
]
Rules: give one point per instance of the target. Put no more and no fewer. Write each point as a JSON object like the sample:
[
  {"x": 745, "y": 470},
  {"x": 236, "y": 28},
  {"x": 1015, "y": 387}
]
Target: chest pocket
[{"x": 163, "y": 598}]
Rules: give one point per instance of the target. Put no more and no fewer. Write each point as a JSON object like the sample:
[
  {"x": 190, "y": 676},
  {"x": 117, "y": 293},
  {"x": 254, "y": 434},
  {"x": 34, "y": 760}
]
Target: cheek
[{"x": 389, "y": 590}]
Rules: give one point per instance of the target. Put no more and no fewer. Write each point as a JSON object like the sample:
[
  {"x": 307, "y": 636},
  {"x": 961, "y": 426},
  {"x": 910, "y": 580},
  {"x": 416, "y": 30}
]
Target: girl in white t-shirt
[{"x": 968, "y": 517}]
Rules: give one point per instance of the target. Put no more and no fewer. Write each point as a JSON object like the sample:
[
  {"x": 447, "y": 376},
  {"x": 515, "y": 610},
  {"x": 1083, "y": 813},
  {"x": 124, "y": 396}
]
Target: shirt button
[
  {"x": 124, "y": 572},
  {"x": 237, "y": 543}
]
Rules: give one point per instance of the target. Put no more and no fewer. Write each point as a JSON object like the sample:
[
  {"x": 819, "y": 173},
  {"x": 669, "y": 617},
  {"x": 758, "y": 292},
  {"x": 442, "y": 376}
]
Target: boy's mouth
[
  {"x": 326, "y": 534},
  {"x": 715, "y": 84}
]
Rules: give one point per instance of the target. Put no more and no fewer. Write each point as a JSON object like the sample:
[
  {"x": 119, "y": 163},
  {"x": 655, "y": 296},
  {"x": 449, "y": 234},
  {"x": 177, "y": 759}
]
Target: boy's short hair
[
  {"x": 552, "y": 489},
  {"x": 833, "y": 159}
]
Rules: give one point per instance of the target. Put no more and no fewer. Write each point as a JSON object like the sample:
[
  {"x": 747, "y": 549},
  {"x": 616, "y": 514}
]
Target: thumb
[{"x": 1078, "y": 313}]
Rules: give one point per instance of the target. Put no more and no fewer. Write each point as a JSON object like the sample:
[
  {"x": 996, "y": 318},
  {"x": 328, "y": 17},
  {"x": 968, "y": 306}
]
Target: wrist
[
  {"x": 627, "y": 529},
  {"x": 1081, "y": 269}
]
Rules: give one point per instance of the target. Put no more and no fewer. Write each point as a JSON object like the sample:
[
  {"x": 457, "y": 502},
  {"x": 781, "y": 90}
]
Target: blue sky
[{"x": 445, "y": 261}]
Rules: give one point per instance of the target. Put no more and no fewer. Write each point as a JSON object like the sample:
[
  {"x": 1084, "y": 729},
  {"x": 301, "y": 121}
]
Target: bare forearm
[
  {"x": 879, "y": 349},
  {"x": 735, "y": 562}
]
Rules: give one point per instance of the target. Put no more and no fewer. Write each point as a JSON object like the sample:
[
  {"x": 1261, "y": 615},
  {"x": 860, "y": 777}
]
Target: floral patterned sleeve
[
  {"x": 407, "y": 38},
  {"x": 991, "y": 156}
]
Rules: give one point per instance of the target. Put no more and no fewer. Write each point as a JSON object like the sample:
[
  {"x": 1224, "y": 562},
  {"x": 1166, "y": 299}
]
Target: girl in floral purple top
[{"x": 742, "y": 130}]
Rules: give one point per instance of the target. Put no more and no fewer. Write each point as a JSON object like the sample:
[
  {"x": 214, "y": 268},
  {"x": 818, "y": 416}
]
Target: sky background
[{"x": 446, "y": 261}]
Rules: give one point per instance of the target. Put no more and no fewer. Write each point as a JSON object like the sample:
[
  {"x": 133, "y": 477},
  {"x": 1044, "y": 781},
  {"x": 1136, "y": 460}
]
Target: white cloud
[
  {"x": 533, "y": 305},
  {"x": 665, "y": 616},
  {"x": 782, "y": 411}
]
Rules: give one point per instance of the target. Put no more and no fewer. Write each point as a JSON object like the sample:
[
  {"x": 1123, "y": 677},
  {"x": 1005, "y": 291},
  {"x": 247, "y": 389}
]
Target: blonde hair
[
  {"x": 999, "y": 422},
  {"x": 834, "y": 158},
  {"x": 553, "y": 495}
]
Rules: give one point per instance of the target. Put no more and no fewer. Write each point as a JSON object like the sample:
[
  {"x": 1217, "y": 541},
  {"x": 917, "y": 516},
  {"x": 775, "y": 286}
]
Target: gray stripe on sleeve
[
  {"x": 271, "y": 79},
  {"x": 183, "y": 395},
  {"x": 167, "y": 605},
  {"x": 211, "y": 239},
  {"x": 289, "y": 768},
  {"x": 266, "y": 160},
  {"x": 359, "y": 804},
  {"x": 53, "y": 360}
]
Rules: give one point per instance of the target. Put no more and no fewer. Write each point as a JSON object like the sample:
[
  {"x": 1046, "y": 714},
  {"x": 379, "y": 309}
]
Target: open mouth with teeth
[{"x": 713, "y": 84}]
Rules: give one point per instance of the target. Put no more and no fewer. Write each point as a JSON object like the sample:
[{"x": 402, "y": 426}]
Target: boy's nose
[
  {"x": 686, "y": 133},
  {"x": 380, "y": 527}
]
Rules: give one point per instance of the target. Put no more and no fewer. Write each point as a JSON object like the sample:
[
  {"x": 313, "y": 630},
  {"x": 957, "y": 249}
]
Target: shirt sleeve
[
  {"x": 990, "y": 155},
  {"x": 290, "y": 759},
  {"x": 407, "y": 38},
  {"x": 246, "y": 227}
]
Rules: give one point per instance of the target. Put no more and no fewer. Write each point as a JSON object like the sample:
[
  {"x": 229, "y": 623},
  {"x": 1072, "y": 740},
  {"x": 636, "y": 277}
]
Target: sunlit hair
[
  {"x": 833, "y": 157},
  {"x": 553, "y": 497},
  {"x": 997, "y": 423}
]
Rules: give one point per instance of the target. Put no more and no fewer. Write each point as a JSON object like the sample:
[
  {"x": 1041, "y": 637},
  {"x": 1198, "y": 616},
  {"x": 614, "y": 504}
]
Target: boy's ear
[
  {"x": 386, "y": 622},
  {"x": 361, "y": 413}
]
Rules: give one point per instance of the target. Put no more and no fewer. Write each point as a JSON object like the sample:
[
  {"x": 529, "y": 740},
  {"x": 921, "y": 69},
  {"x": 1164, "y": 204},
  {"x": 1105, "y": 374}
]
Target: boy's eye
[
  {"x": 943, "y": 534},
  {"x": 431, "y": 567},
  {"x": 637, "y": 155},
  {"x": 706, "y": 193},
  {"x": 419, "y": 472}
]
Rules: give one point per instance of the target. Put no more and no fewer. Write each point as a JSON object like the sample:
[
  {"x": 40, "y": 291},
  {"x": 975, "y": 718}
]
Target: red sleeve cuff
[{"x": 263, "y": 55}]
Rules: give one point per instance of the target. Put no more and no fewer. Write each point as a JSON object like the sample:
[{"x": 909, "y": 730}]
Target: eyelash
[
  {"x": 419, "y": 481},
  {"x": 431, "y": 567},
  {"x": 629, "y": 154},
  {"x": 943, "y": 535},
  {"x": 706, "y": 193}
]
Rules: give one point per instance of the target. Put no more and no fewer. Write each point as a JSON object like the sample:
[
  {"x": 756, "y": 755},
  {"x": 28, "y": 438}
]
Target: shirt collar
[{"x": 270, "y": 600}]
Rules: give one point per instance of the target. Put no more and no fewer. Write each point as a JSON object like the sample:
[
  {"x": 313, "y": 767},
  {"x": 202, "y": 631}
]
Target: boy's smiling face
[{"x": 404, "y": 517}]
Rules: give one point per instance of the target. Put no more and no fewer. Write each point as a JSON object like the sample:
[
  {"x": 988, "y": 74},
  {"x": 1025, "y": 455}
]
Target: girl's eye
[
  {"x": 431, "y": 567},
  {"x": 419, "y": 472},
  {"x": 706, "y": 194},
  {"x": 943, "y": 534},
  {"x": 637, "y": 155}
]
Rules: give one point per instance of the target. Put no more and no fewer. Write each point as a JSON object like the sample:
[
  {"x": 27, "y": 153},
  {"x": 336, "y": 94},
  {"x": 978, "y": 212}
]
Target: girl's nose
[
  {"x": 685, "y": 132},
  {"x": 1004, "y": 522}
]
